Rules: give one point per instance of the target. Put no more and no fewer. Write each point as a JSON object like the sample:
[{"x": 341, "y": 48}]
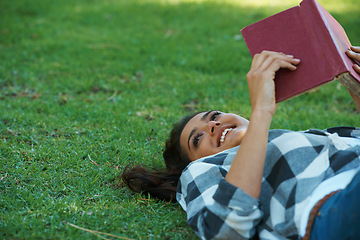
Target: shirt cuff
[{"x": 234, "y": 197}]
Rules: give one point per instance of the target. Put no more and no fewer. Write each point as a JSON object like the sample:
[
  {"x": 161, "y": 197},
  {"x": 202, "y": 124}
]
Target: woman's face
[{"x": 211, "y": 132}]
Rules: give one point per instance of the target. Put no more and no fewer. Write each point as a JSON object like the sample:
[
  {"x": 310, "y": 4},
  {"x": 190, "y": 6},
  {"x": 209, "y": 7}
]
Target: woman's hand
[
  {"x": 354, "y": 53},
  {"x": 247, "y": 168},
  {"x": 261, "y": 79}
]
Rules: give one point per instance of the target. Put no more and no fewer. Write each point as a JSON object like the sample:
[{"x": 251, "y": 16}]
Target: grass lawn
[{"x": 87, "y": 87}]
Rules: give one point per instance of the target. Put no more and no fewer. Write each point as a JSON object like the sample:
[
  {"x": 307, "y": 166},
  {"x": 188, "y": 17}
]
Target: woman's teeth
[{"x": 222, "y": 139}]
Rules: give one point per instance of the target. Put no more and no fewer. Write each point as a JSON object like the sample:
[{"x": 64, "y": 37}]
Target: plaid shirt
[{"x": 296, "y": 163}]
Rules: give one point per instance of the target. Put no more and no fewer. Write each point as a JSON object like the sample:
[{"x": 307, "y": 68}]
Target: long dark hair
[{"x": 161, "y": 184}]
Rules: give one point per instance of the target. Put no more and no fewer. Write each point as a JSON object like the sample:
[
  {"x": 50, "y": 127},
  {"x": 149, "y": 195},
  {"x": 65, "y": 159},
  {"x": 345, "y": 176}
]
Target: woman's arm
[
  {"x": 247, "y": 168},
  {"x": 354, "y": 53}
]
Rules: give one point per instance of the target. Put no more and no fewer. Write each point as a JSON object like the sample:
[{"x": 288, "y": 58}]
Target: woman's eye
[
  {"x": 196, "y": 140},
  {"x": 214, "y": 115}
]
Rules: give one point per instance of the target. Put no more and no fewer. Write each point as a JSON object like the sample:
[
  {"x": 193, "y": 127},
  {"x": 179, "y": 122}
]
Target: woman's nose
[{"x": 212, "y": 125}]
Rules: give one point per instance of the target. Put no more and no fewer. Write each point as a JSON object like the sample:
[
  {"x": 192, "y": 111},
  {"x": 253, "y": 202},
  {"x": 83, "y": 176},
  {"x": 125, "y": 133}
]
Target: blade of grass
[{"x": 97, "y": 233}]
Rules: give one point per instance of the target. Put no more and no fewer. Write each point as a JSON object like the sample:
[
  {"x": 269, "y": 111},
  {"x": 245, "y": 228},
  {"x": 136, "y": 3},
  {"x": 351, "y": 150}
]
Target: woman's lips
[{"x": 223, "y": 132}]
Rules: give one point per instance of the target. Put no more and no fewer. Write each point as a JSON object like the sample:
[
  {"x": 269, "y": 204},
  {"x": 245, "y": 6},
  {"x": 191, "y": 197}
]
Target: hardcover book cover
[{"x": 310, "y": 33}]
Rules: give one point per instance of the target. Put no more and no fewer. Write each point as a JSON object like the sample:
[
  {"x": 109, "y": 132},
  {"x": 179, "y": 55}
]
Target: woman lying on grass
[{"x": 240, "y": 179}]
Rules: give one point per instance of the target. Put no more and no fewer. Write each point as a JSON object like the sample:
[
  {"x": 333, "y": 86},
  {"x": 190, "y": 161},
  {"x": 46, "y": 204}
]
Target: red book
[{"x": 310, "y": 33}]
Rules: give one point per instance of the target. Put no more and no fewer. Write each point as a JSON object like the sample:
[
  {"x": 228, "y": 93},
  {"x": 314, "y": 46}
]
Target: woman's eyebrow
[
  {"x": 192, "y": 133},
  {"x": 205, "y": 115}
]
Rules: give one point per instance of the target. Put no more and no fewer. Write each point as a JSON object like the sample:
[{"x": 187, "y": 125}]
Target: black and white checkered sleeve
[{"x": 215, "y": 208}]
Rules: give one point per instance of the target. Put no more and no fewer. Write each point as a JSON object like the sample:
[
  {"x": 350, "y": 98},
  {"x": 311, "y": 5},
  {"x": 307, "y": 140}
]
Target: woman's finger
[
  {"x": 260, "y": 58},
  {"x": 354, "y": 53},
  {"x": 357, "y": 68},
  {"x": 288, "y": 64},
  {"x": 355, "y": 49},
  {"x": 275, "y": 63},
  {"x": 267, "y": 58}
]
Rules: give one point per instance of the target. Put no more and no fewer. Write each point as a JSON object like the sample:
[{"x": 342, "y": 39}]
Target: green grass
[{"x": 86, "y": 87}]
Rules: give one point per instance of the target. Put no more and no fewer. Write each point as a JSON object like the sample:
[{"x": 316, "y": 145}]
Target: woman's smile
[{"x": 223, "y": 135}]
